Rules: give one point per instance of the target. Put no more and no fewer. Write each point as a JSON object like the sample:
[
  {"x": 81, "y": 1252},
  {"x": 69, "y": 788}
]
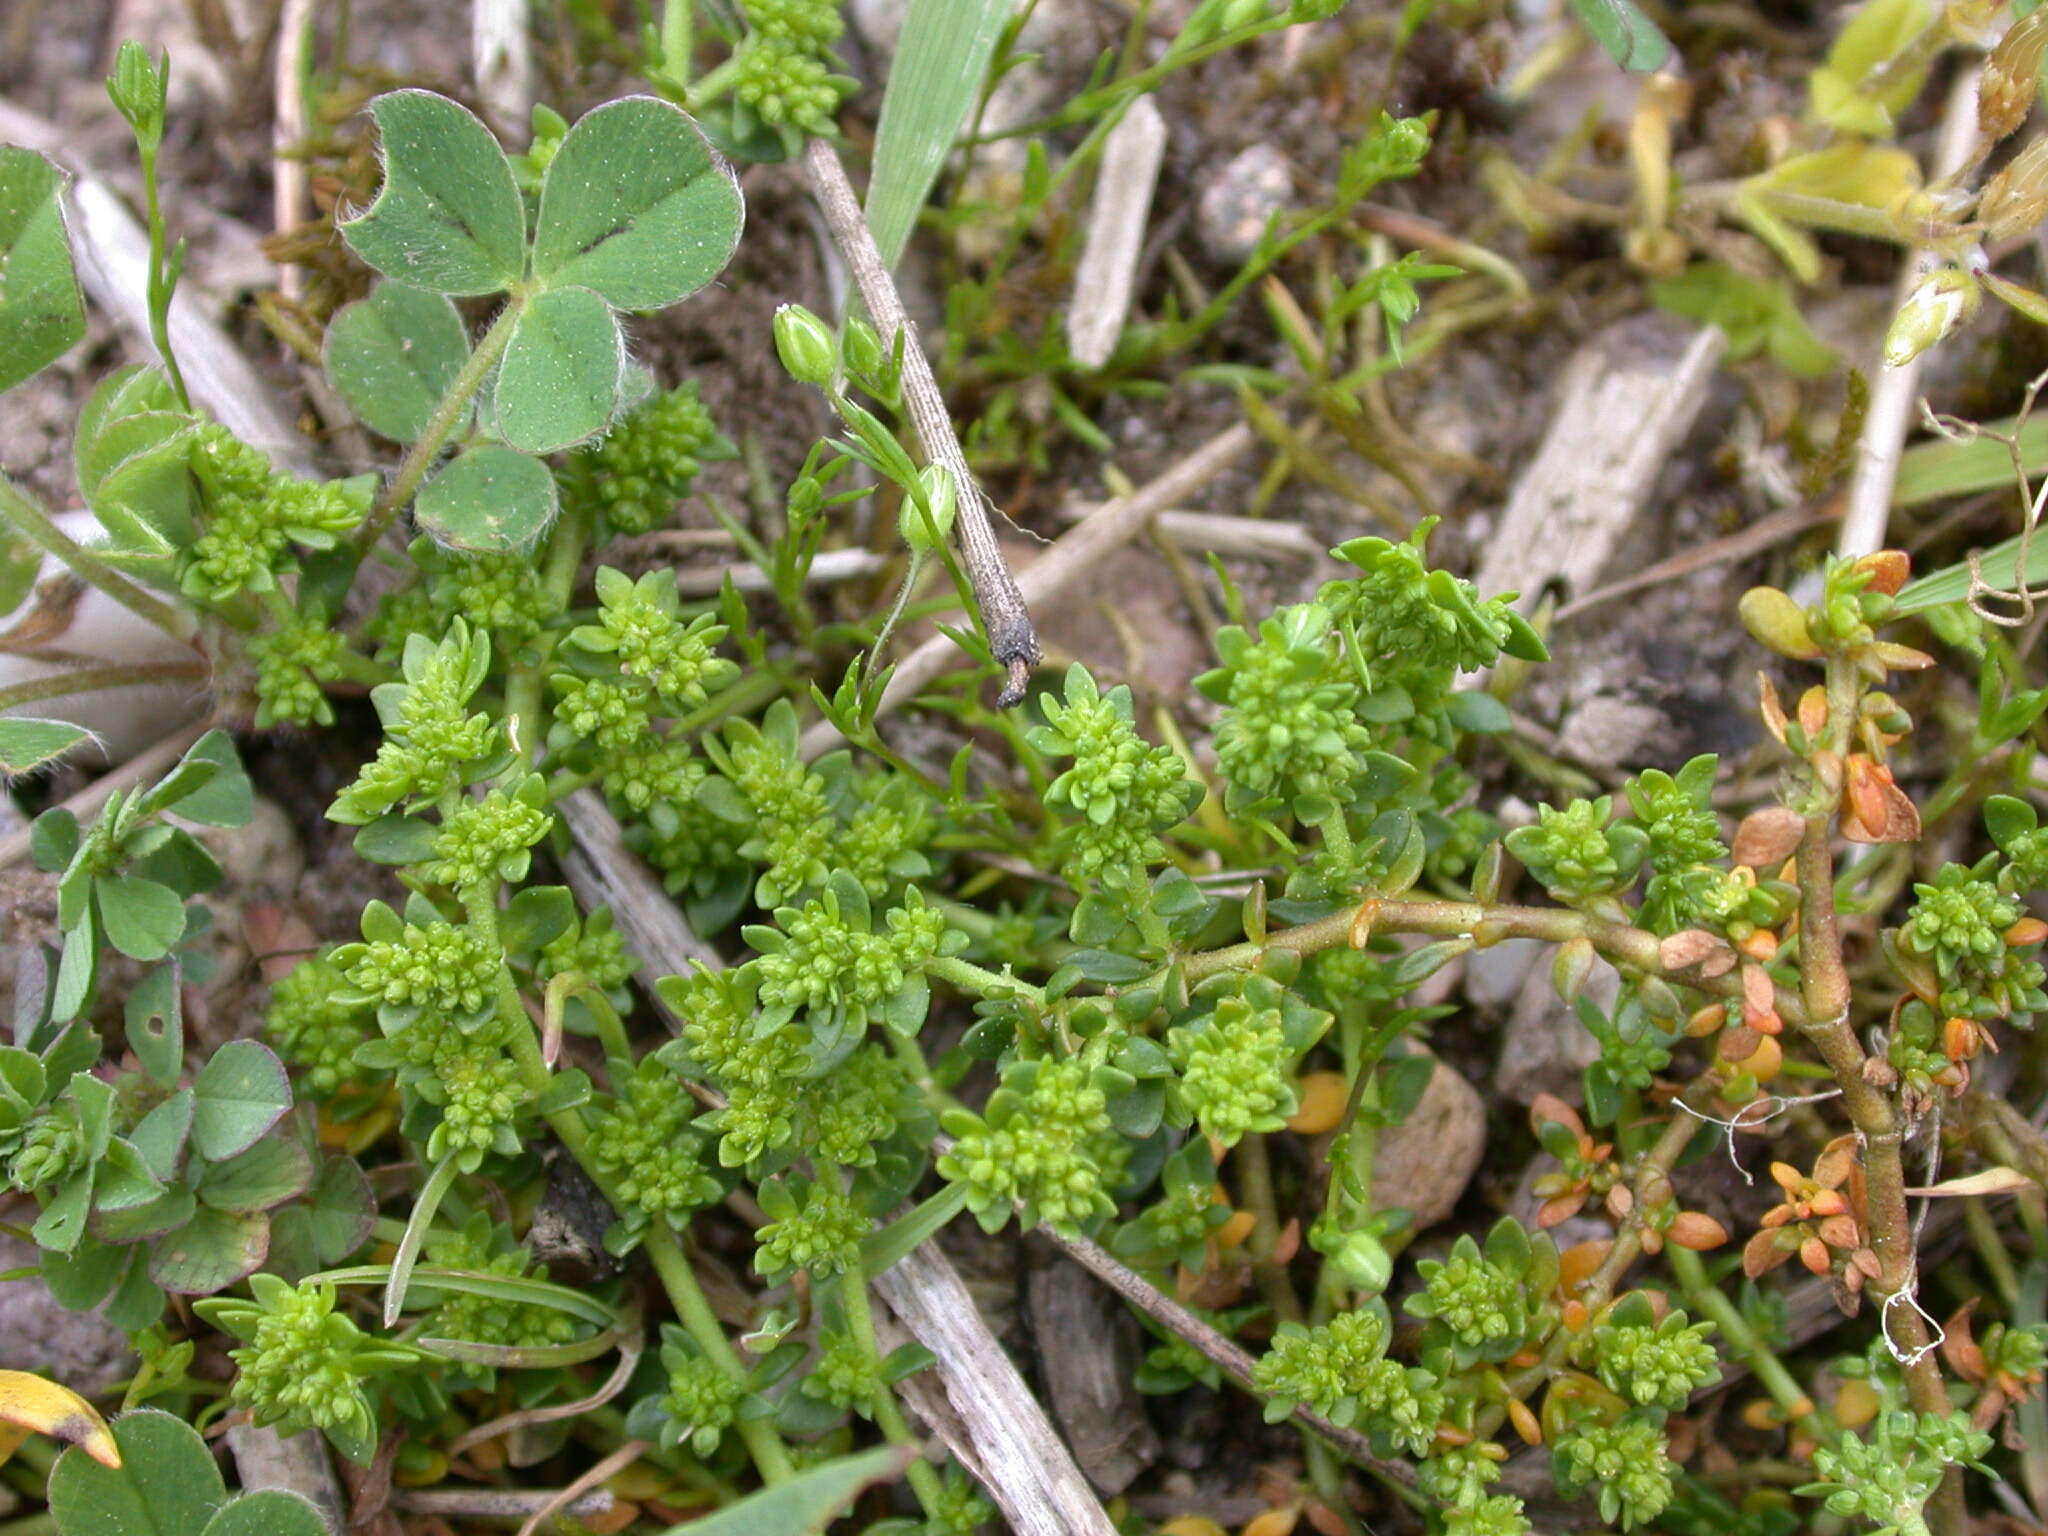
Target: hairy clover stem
[{"x": 420, "y": 457}]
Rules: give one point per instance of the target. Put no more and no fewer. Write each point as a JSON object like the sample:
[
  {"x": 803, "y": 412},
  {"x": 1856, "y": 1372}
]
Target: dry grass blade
[{"x": 942, "y": 53}]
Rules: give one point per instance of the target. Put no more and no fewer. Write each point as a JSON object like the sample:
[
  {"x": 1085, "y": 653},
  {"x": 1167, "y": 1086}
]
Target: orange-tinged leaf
[
  {"x": 1323, "y": 1097},
  {"x": 32, "y": 1404},
  {"x": 1272, "y": 1522},
  {"x": 1696, "y": 1230},
  {"x": 1192, "y": 1525}
]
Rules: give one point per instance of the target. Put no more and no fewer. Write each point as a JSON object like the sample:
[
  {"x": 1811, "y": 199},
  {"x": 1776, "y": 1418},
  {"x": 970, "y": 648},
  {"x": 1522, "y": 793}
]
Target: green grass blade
[
  {"x": 1931, "y": 471},
  {"x": 941, "y": 56},
  {"x": 1999, "y": 564}
]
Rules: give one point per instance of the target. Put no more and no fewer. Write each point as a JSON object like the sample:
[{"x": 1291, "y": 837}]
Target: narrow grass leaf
[{"x": 941, "y": 56}]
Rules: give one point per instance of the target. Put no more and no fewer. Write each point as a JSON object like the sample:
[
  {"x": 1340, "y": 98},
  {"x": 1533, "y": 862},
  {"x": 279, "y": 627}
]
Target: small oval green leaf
[
  {"x": 559, "y": 384},
  {"x": 42, "y": 314},
  {"x": 448, "y": 217},
  {"x": 393, "y": 355},
  {"x": 636, "y": 205},
  {"x": 492, "y": 500}
]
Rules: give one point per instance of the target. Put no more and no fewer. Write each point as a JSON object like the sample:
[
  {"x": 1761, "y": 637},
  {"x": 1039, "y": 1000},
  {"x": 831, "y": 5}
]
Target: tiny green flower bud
[
  {"x": 2016, "y": 199},
  {"x": 864, "y": 354},
  {"x": 911, "y": 521},
  {"x": 1941, "y": 303},
  {"x": 1240, "y": 13},
  {"x": 805, "y": 345},
  {"x": 137, "y": 88}
]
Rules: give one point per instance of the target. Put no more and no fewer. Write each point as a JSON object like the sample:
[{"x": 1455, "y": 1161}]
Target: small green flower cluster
[
  {"x": 407, "y": 967},
  {"x": 758, "y": 1071},
  {"x": 302, "y": 1364},
  {"x": 1043, "y": 1142},
  {"x": 316, "y": 1032},
  {"x": 1290, "y": 730},
  {"x": 293, "y": 664},
  {"x": 1654, "y": 1365},
  {"x": 483, "y": 1248},
  {"x": 814, "y": 1226},
  {"x": 51, "y": 1149},
  {"x": 859, "y": 1106},
  {"x": 433, "y": 743},
  {"x": 701, "y": 1402},
  {"x": 825, "y": 961},
  {"x": 844, "y": 1374},
  {"x": 784, "y": 804},
  {"x": 1959, "y": 921},
  {"x": 1676, "y": 814},
  {"x": 1481, "y": 1303},
  {"x": 634, "y": 476},
  {"x": 1580, "y": 852},
  {"x": 595, "y": 950},
  {"x": 1625, "y": 1461},
  {"x": 1340, "y": 1369},
  {"x": 253, "y": 515},
  {"x": 1400, "y": 612},
  {"x": 1236, "y": 1060},
  {"x": 640, "y": 627},
  {"x": 784, "y": 70},
  {"x": 490, "y": 839},
  {"x": 1123, "y": 791},
  {"x": 646, "y": 1143},
  {"x": 881, "y": 844},
  {"x": 504, "y": 596},
  {"x": 1888, "y": 1478},
  {"x": 479, "y": 1093}
]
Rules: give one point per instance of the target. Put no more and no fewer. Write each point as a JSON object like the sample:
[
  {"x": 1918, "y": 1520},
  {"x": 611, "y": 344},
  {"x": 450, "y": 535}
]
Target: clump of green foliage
[{"x": 1011, "y": 984}]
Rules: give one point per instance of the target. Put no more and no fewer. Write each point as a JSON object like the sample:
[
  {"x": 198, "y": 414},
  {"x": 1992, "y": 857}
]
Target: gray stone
[
  {"x": 1246, "y": 193},
  {"x": 82, "y": 1350}
]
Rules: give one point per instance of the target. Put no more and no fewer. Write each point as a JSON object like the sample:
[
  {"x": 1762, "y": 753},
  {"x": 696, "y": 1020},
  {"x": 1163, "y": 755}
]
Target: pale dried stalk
[
  {"x": 1889, "y": 413},
  {"x": 1071, "y": 556},
  {"x": 1012, "y": 640},
  {"x": 1018, "y": 1455}
]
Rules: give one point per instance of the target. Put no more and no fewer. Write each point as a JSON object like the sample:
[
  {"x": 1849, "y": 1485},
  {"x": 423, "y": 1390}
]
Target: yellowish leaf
[{"x": 31, "y": 1404}]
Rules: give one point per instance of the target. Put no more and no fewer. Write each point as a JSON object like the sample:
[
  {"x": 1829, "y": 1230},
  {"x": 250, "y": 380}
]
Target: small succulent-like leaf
[
  {"x": 393, "y": 355},
  {"x": 448, "y": 217},
  {"x": 491, "y": 500},
  {"x": 559, "y": 384},
  {"x": 42, "y": 314},
  {"x": 27, "y": 744},
  {"x": 166, "y": 1483},
  {"x": 34, "y": 1405},
  {"x": 239, "y": 1094},
  {"x": 637, "y": 206}
]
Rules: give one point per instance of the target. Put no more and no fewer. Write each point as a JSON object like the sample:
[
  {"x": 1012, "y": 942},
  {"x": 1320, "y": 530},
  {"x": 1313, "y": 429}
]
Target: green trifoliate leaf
[
  {"x": 167, "y": 1483},
  {"x": 42, "y": 315},
  {"x": 492, "y": 500},
  {"x": 636, "y": 206},
  {"x": 448, "y": 217},
  {"x": 241, "y": 1093},
  {"x": 559, "y": 385},
  {"x": 393, "y": 355}
]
